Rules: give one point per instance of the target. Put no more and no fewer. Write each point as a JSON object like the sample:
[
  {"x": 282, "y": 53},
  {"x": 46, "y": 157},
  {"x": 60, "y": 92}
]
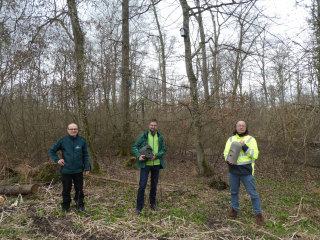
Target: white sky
[{"x": 289, "y": 21}]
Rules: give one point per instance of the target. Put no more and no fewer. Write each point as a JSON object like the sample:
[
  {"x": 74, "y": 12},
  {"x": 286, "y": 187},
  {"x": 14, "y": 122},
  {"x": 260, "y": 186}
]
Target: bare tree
[
  {"x": 80, "y": 59},
  {"x": 204, "y": 71},
  {"x": 162, "y": 58},
  {"x": 316, "y": 27},
  {"x": 196, "y": 116},
  {"x": 125, "y": 130}
]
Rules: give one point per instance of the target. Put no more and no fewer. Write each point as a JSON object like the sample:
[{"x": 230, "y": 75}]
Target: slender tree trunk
[
  {"x": 80, "y": 59},
  {"x": 125, "y": 130},
  {"x": 237, "y": 69},
  {"x": 203, "y": 55},
  {"x": 162, "y": 60},
  {"x": 244, "y": 25},
  {"x": 317, "y": 23},
  {"x": 263, "y": 74},
  {"x": 201, "y": 160},
  {"x": 214, "y": 51}
]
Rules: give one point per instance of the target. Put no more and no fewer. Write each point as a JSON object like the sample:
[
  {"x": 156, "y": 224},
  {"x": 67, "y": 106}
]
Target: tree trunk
[
  {"x": 201, "y": 160},
  {"x": 162, "y": 60},
  {"x": 215, "y": 65},
  {"x": 79, "y": 55},
  {"x": 317, "y": 23},
  {"x": 203, "y": 55},
  {"x": 125, "y": 130}
]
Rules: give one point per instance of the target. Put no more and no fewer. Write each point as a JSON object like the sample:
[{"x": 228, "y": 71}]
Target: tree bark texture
[
  {"x": 21, "y": 189},
  {"x": 125, "y": 130},
  {"x": 80, "y": 59},
  {"x": 201, "y": 160}
]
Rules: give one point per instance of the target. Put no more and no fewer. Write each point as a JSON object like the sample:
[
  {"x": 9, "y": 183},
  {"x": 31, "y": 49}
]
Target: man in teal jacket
[
  {"x": 153, "y": 138},
  {"x": 75, "y": 159}
]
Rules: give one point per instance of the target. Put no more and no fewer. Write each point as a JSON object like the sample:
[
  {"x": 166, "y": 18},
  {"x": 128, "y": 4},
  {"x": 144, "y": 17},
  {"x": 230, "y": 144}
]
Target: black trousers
[{"x": 67, "y": 186}]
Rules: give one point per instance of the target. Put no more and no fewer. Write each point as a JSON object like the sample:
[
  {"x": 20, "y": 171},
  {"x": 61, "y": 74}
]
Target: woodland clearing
[{"x": 290, "y": 196}]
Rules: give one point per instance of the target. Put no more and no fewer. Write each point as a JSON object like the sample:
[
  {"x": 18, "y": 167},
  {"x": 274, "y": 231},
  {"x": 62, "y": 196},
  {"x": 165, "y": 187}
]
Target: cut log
[{"x": 19, "y": 189}]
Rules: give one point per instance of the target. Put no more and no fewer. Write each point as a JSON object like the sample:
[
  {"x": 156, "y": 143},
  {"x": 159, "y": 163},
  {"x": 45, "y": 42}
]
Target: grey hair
[{"x": 71, "y": 124}]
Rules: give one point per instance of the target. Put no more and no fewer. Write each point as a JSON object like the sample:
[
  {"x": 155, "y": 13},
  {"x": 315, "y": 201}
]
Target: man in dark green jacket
[
  {"x": 153, "y": 138},
  {"x": 75, "y": 159}
]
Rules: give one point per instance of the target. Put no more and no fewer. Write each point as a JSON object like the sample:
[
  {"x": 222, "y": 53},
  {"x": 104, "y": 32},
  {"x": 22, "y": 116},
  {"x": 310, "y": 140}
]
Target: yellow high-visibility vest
[{"x": 247, "y": 157}]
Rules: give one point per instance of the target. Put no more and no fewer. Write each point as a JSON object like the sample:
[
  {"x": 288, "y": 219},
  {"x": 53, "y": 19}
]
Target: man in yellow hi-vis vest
[{"x": 243, "y": 170}]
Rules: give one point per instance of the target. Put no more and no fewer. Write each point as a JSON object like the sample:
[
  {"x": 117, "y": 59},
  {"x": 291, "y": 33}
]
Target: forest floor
[{"x": 290, "y": 196}]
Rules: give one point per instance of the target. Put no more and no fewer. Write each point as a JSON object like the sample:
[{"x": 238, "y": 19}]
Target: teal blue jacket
[
  {"x": 74, "y": 152},
  {"x": 143, "y": 141}
]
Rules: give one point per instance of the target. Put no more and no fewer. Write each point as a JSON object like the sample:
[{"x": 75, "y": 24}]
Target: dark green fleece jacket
[
  {"x": 74, "y": 152},
  {"x": 143, "y": 141}
]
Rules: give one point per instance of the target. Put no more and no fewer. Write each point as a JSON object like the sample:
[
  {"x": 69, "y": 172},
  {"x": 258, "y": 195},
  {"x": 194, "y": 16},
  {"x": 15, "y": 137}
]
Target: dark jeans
[
  {"x": 144, "y": 173},
  {"x": 67, "y": 185}
]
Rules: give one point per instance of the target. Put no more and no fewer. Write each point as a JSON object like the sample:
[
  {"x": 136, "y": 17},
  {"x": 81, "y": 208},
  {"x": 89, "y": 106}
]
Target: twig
[
  {"x": 235, "y": 221},
  {"x": 61, "y": 231},
  {"x": 293, "y": 235},
  {"x": 48, "y": 189},
  {"x": 86, "y": 219},
  {"x": 201, "y": 232},
  {"x": 1, "y": 215},
  {"x": 279, "y": 173},
  {"x": 269, "y": 234},
  {"x": 298, "y": 208}
]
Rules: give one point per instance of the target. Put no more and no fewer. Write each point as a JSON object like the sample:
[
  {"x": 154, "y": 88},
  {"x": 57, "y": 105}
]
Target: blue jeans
[
  {"x": 144, "y": 173},
  {"x": 248, "y": 182}
]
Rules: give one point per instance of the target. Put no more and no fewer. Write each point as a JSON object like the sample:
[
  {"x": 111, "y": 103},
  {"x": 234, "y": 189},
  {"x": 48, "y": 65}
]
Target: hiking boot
[
  {"x": 136, "y": 212},
  {"x": 260, "y": 219},
  {"x": 64, "y": 210},
  {"x": 155, "y": 208},
  {"x": 82, "y": 210},
  {"x": 233, "y": 213}
]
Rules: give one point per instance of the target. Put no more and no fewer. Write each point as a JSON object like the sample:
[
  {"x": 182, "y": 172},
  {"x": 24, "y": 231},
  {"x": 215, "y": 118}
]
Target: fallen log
[
  {"x": 121, "y": 181},
  {"x": 19, "y": 189}
]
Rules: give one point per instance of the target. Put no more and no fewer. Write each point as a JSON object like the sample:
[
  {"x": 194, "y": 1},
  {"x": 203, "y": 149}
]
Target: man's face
[
  {"x": 241, "y": 127},
  {"x": 153, "y": 126},
  {"x": 73, "y": 130}
]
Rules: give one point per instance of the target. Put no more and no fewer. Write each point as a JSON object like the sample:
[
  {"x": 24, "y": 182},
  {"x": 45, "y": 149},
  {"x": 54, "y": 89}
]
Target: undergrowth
[{"x": 290, "y": 208}]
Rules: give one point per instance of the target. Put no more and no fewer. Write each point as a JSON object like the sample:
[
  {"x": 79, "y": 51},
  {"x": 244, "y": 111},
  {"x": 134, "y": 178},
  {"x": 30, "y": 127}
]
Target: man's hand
[
  {"x": 242, "y": 142},
  {"x": 61, "y": 162},
  {"x": 141, "y": 158},
  {"x": 87, "y": 172},
  {"x": 231, "y": 163},
  {"x": 153, "y": 158}
]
